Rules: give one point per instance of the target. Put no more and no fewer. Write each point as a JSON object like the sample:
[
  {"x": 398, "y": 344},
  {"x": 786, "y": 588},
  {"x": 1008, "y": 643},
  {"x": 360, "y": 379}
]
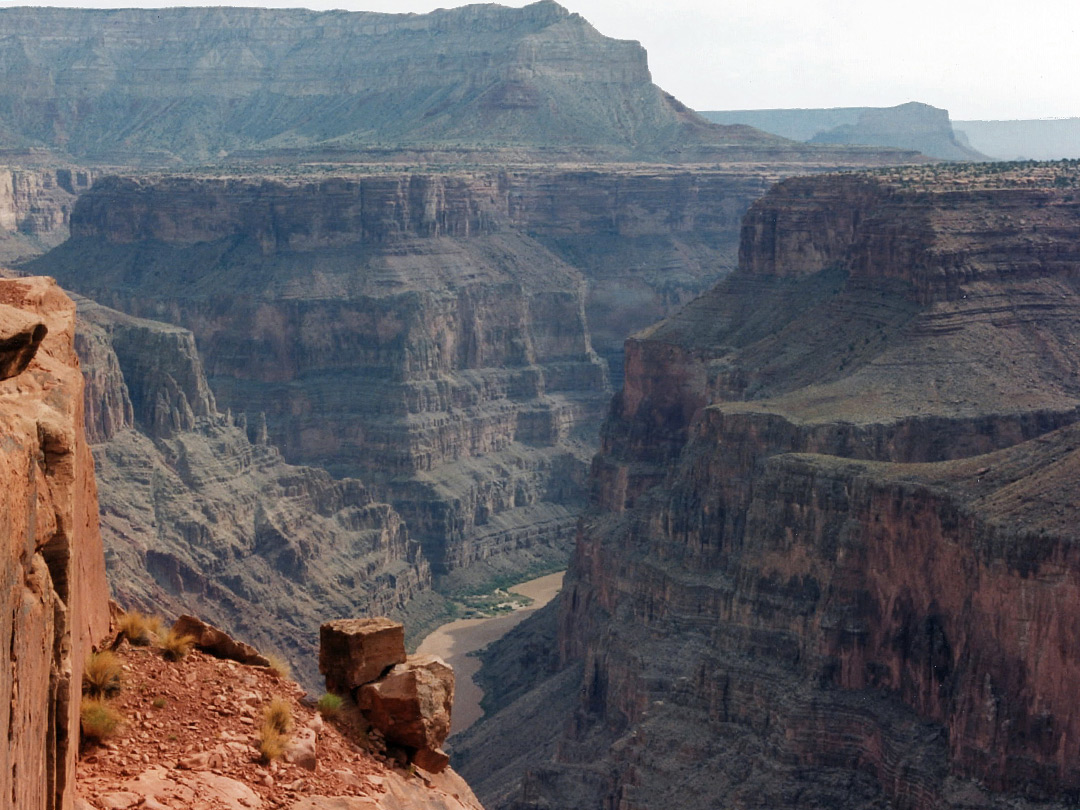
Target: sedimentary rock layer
[
  {"x": 54, "y": 590},
  {"x": 832, "y": 549},
  {"x": 200, "y": 85},
  {"x": 35, "y": 208},
  {"x": 198, "y": 516}
]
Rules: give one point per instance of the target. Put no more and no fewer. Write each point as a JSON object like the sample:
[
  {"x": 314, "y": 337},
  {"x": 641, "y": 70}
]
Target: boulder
[
  {"x": 411, "y": 704},
  {"x": 217, "y": 642},
  {"x": 353, "y": 652},
  {"x": 301, "y": 749}
]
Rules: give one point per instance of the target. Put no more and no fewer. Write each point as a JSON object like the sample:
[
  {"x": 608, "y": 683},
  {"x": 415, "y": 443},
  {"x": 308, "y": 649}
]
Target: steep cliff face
[
  {"x": 35, "y": 209},
  {"x": 207, "y": 84},
  {"x": 54, "y": 590},
  {"x": 424, "y": 332},
  {"x": 831, "y": 536},
  {"x": 200, "y": 515}
]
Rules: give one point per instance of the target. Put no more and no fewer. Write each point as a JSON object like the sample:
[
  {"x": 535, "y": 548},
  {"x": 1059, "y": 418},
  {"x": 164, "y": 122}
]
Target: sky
[{"x": 992, "y": 59}]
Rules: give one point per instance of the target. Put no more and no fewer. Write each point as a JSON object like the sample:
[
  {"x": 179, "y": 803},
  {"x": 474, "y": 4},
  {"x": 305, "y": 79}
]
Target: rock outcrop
[
  {"x": 35, "y": 208},
  {"x": 831, "y": 543},
  {"x": 54, "y": 590},
  {"x": 406, "y": 699},
  {"x": 191, "y": 740},
  {"x": 200, "y": 85},
  {"x": 200, "y": 515}
]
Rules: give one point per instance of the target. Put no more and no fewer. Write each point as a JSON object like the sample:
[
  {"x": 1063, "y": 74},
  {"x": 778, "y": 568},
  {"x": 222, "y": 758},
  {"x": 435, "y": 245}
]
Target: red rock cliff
[
  {"x": 54, "y": 588},
  {"x": 832, "y": 547}
]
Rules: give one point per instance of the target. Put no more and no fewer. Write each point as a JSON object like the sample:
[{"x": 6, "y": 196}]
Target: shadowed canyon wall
[
  {"x": 35, "y": 209},
  {"x": 200, "y": 515},
  {"x": 54, "y": 590},
  {"x": 431, "y": 334},
  {"x": 831, "y": 549}
]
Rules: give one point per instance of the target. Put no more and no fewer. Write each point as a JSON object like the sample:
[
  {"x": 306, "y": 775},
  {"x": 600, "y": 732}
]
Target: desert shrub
[
  {"x": 329, "y": 705},
  {"x": 279, "y": 666},
  {"x": 102, "y": 675},
  {"x": 160, "y": 703},
  {"x": 271, "y": 742},
  {"x": 278, "y": 715},
  {"x": 138, "y": 628},
  {"x": 98, "y": 719},
  {"x": 175, "y": 646}
]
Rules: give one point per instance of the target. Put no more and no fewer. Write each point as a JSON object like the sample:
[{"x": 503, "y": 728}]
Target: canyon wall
[
  {"x": 35, "y": 208},
  {"x": 831, "y": 546},
  {"x": 54, "y": 591},
  {"x": 200, "y": 515},
  {"x": 431, "y": 334}
]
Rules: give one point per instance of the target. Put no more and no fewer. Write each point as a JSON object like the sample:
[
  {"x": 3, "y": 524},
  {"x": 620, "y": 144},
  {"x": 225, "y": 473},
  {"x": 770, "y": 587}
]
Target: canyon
[
  {"x": 831, "y": 543},
  {"x": 447, "y": 338},
  {"x": 201, "y": 515}
]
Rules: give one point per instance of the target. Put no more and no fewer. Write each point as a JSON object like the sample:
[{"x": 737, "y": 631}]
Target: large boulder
[
  {"x": 353, "y": 652},
  {"x": 411, "y": 704},
  {"x": 217, "y": 642}
]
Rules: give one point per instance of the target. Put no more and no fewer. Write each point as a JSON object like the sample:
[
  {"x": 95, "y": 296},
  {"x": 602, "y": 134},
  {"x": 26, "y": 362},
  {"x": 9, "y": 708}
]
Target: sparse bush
[
  {"x": 175, "y": 646},
  {"x": 160, "y": 703},
  {"x": 138, "y": 628},
  {"x": 329, "y": 705},
  {"x": 271, "y": 743},
  {"x": 102, "y": 675},
  {"x": 278, "y": 714},
  {"x": 279, "y": 666},
  {"x": 98, "y": 719}
]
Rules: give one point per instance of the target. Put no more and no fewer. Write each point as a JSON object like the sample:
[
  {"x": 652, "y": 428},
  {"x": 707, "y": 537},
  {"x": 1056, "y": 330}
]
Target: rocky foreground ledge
[{"x": 190, "y": 740}]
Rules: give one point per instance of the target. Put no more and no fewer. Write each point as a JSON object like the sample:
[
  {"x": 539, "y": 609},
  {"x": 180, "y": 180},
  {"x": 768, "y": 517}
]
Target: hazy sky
[{"x": 978, "y": 59}]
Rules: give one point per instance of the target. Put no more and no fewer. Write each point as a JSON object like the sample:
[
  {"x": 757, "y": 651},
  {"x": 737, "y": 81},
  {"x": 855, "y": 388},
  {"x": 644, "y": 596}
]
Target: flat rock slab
[
  {"x": 217, "y": 642},
  {"x": 353, "y": 652}
]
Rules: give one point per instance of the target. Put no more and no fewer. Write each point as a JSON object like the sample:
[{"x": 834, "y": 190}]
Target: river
[{"x": 454, "y": 641}]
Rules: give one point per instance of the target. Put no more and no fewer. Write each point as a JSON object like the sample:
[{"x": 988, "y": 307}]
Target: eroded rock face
[
  {"x": 198, "y": 516},
  {"x": 35, "y": 208},
  {"x": 54, "y": 590},
  {"x": 831, "y": 539},
  {"x": 198, "y": 85},
  {"x": 411, "y": 704},
  {"x": 432, "y": 334},
  {"x": 353, "y": 652}
]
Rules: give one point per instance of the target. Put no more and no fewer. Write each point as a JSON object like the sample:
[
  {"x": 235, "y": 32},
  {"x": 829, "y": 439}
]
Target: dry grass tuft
[
  {"x": 175, "y": 646},
  {"x": 272, "y": 743},
  {"x": 102, "y": 675},
  {"x": 279, "y": 666},
  {"x": 329, "y": 705},
  {"x": 278, "y": 715},
  {"x": 98, "y": 719},
  {"x": 138, "y": 628}
]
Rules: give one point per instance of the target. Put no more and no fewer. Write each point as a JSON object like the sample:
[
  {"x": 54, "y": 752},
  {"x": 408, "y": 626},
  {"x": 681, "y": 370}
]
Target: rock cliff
[
  {"x": 200, "y": 515},
  {"x": 831, "y": 545},
  {"x": 425, "y": 332},
  {"x": 198, "y": 85},
  {"x": 54, "y": 590},
  {"x": 35, "y": 208}
]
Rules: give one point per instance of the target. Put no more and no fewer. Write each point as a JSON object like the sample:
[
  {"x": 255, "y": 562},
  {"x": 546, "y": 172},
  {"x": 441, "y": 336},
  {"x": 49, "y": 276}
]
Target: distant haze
[{"x": 997, "y": 59}]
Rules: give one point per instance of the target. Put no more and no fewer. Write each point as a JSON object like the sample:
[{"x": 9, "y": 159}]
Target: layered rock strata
[
  {"x": 200, "y": 515},
  {"x": 831, "y": 544},
  {"x": 435, "y": 334},
  {"x": 54, "y": 590},
  {"x": 198, "y": 85},
  {"x": 35, "y": 208}
]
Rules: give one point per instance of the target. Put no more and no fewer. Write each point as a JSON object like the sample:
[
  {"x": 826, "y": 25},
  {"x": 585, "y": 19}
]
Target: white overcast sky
[{"x": 988, "y": 59}]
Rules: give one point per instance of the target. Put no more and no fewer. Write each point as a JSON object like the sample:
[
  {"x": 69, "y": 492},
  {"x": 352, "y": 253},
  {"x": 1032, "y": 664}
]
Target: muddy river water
[{"x": 454, "y": 641}]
